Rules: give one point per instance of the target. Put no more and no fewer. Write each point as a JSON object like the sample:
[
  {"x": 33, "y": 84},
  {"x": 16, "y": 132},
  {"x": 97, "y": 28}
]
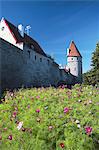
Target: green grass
[{"x": 47, "y": 129}]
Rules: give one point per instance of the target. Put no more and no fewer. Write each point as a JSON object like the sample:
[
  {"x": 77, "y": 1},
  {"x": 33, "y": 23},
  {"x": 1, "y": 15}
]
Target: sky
[{"x": 55, "y": 23}]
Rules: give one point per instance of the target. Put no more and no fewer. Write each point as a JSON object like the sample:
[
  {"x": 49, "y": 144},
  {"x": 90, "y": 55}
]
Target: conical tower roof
[{"x": 73, "y": 50}]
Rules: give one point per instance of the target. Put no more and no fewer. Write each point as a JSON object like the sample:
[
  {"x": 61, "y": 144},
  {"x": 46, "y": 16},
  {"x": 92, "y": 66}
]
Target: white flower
[
  {"x": 90, "y": 112},
  {"x": 90, "y": 92},
  {"x": 79, "y": 100},
  {"x": 20, "y": 125},
  {"x": 90, "y": 101},
  {"x": 78, "y": 126},
  {"x": 77, "y": 121}
]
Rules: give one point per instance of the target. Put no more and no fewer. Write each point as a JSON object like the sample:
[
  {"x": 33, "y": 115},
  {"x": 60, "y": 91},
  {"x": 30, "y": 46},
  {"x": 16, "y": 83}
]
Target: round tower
[{"x": 74, "y": 61}]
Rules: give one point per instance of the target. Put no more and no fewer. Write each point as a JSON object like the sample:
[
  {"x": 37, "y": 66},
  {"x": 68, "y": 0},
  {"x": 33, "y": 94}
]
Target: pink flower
[
  {"x": 28, "y": 106},
  {"x": 88, "y": 130},
  {"x": 14, "y": 114},
  {"x": 5, "y": 128},
  {"x": 62, "y": 145},
  {"x": 50, "y": 127},
  {"x": 10, "y": 137},
  {"x": 38, "y": 97},
  {"x": 37, "y": 110},
  {"x": 63, "y": 86},
  {"x": 66, "y": 110},
  {"x": 16, "y": 108}
]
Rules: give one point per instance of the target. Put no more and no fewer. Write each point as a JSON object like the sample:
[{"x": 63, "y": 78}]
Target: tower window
[
  {"x": 29, "y": 53},
  {"x": 2, "y": 28},
  {"x": 40, "y": 59},
  {"x": 35, "y": 57}
]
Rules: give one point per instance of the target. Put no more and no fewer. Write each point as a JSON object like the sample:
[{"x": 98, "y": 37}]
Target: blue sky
[{"x": 55, "y": 23}]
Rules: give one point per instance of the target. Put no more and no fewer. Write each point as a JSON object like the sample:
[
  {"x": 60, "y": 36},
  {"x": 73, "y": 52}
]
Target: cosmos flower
[
  {"x": 63, "y": 86},
  {"x": 28, "y": 106},
  {"x": 10, "y": 137},
  {"x": 46, "y": 107},
  {"x": 79, "y": 100},
  {"x": 88, "y": 130},
  {"x": 16, "y": 108},
  {"x": 77, "y": 121},
  {"x": 62, "y": 145},
  {"x": 11, "y": 94},
  {"x": 66, "y": 110},
  {"x": 37, "y": 110},
  {"x": 50, "y": 127},
  {"x": 90, "y": 101},
  {"x": 14, "y": 114},
  {"x": 38, "y": 97},
  {"x": 5, "y": 129},
  {"x": 78, "y": 125},
  {"x": 20, "y": 125}
]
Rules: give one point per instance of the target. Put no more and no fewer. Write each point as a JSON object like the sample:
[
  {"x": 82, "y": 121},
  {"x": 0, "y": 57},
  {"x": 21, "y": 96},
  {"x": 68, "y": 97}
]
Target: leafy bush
[{"x": 50, "y": 119}]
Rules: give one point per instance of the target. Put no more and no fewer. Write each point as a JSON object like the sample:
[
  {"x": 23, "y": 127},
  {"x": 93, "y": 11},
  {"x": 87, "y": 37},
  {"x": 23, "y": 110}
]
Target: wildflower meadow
[{"x": 50, "y": 119}]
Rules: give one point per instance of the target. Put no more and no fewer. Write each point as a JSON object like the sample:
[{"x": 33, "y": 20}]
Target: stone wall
[
  {"x": 27, "y": 68},
  {"x": 75, "y": 65}
]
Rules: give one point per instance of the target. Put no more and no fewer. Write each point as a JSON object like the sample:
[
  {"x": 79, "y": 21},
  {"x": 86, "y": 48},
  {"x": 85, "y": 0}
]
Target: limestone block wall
[
  {"x": 25, "y": 68},
  {"x": 28, "y": 68},
  {"x": 68, "y": 78}
]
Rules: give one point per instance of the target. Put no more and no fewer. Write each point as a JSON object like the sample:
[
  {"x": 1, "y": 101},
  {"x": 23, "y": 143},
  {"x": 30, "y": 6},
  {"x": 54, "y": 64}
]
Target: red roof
[
  {"x": 73, "y": 50},
  {"x": 26, "y": 39}
]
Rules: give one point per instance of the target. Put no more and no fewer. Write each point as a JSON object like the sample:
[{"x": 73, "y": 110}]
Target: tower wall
[{"x": 75, "y": 66}]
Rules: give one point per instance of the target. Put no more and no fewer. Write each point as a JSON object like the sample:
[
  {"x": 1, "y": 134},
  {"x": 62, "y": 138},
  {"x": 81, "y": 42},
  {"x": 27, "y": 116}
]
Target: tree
[
  {"x": 95, "y": 58},
  {"x": 92, "y": 76}
]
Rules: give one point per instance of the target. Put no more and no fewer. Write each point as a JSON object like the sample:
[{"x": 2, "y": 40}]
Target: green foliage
[
  {"x": 50, "y": 126},
  {"x": 92, "y": 77},
  {"x": 95, "y": 58}
]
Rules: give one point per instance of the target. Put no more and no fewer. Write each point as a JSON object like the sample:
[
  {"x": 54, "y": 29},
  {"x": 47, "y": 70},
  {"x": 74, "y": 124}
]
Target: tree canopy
[{"x": 92, "y": 76}]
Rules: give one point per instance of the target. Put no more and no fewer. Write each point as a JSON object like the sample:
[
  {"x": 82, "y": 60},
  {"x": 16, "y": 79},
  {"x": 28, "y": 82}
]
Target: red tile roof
[
  {"x": 26, "y": 39},
  {"x": 73, "y": 50}
]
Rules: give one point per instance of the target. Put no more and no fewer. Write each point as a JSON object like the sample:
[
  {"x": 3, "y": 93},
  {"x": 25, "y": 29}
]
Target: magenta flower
[
  {"x": 10, "y": 137},
  {"x": 5, "y": 129},
  {"x": 14, "y": 114},
  {"x": 37, "y": 110},
  {"x": 88, "y": 130},
  {"x": 28, "y": 106},
  {"x": 66, "y": 110},
  {"x": 62, "y": 145},
  {"x": 63, "y": 86}
]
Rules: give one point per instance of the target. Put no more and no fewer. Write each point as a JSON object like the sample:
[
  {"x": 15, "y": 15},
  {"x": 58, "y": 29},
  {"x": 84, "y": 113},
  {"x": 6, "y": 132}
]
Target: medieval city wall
[{"x": 27, "y": 68}]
